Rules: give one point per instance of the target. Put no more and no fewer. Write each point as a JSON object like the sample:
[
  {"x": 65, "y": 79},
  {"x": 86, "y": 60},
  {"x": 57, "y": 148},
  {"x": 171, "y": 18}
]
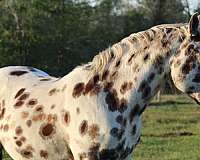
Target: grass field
[{"x": 171, "y": 130}]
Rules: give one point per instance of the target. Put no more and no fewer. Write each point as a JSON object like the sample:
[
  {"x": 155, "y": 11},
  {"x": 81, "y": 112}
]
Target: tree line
[{"x": 58, "y": 35}]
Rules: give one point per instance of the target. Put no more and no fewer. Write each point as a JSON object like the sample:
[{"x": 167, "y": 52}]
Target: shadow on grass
[
  {"x": 166, "y": 103},
  {"x": 170, "y": 134}
]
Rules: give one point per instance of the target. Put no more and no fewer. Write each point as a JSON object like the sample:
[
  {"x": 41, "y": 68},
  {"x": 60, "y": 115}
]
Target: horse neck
[{"x": 136, "y": 66}]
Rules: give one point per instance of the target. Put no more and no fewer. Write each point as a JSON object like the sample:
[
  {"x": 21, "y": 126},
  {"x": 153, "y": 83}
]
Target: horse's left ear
[{"x": 194, "y": 25}]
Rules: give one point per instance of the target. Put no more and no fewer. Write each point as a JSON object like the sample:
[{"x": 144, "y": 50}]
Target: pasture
[{"x": 171, "y": 130}]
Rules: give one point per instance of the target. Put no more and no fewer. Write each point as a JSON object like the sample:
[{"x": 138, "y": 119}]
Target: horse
[{"x": 94, "y": 112}]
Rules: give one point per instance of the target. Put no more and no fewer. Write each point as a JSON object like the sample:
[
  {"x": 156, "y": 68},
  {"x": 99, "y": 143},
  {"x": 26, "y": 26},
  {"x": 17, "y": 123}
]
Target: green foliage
[
  {"x": 162, "y": 11},
  {"x": 58, "y": 35}
]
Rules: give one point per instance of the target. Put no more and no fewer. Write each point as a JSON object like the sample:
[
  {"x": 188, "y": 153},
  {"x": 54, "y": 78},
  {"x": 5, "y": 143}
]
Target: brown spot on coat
[
  {"x": 39, "y": 108},
  {"x": 112, "y": 100},
  {"x": 83, "y": 127},
  {"x": 6, "y": 127},
  {"x": 77, "y": 110},
  {"x": 66, "y": 118},
  {"x": 18, "y": 130},
  {"x": 158, "y": 61},
  {"x": 23, "y": 139},
  {"x": 44, "y": 154},
  {"x": 78, "y": 89},
  {"x": 91, "y": 84},
  {"x": 32, "y": 102},
  {"x": 146, "y": 57},
  {"x": 135, "y": 111},
  {"x": 117, "y": 133},
  {"x": 130, "y": 59},
  {"x": 82, "y": 156},
  {"x": 118, "y": 63},
  {"x": 24, "y": 96},
  {"x": 164, "y": 41},
  {"x": 53, "y": 91},
  {"x": 146, "y": 92},
  {"x": 2, "y": 112},
  {"x": 119, "y": 119},
  {"x": 134, "y": 129},
  {"x": 19, "y": 92},
  {"x": 151, "y": 77},
  {"x": 18, "y": 104},
  {"x": 169, "y": 30},
  {"x": 108, "y": 86},
  {"x": 123, "y": 105},
  {"x": 93, "y": 131},
  {"x": 196, "y": 79},
  {"x": 105, "y": 75},
  {"x": 114, "y": 75},
  {"x": 19, "y": 143},
  {"x": 29, "y": 123},
  {"x": 47, "y": 130},
  {"x": 190, "y": 50},
  {"x": 18, "y": 73},
  {"x": 53, "y": 106},
  {"x": 26, "y": 153},
  {"x": 145, "y": 89},
  {"x": 125, "y": 87},
  {"x": 188, "y": 66},
  {"x": 93, "y": 151},
  {"x": 95, "y": 90},
  {"x": 45, "y": 79}
]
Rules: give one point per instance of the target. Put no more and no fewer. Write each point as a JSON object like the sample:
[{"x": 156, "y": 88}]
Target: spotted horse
[{"x": 94, "y": 112}]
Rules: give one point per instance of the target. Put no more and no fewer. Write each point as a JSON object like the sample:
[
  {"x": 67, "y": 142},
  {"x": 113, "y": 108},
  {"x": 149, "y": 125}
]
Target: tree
[
  {"x": 58, "y": 35},
  {"x": 162, "y": 11}
]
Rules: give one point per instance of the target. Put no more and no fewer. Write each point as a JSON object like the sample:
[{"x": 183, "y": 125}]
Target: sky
[{"x": 193, "y": 3}]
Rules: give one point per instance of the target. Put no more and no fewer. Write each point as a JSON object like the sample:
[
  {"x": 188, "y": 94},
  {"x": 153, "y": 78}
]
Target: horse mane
[{"x": 104, "y": 59}]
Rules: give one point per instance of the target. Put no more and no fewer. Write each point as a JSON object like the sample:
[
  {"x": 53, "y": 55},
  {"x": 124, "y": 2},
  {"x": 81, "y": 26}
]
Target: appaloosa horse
[{"x": 94, "y": 112}]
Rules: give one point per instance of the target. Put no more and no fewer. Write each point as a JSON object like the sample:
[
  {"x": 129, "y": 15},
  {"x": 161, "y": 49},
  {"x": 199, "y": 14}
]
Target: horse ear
[{"x": 194, "y": 25}]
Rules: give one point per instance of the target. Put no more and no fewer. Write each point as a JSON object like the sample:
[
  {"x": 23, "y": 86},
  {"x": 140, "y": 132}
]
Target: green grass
[{"x": 171, "y": 130}]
